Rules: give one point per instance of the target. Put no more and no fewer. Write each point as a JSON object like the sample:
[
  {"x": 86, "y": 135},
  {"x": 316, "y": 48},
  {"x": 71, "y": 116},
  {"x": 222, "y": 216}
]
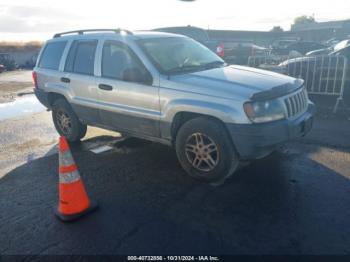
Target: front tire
[
  {"x": 205, "y": 150},
  {"x": 66, "y": 121}
]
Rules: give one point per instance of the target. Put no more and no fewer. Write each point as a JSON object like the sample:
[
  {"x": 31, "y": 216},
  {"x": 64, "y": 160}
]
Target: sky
[{"x": 26, "y": 20}]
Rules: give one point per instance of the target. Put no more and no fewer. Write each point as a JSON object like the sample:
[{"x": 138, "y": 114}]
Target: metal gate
[{"x": 323, "y": 75}]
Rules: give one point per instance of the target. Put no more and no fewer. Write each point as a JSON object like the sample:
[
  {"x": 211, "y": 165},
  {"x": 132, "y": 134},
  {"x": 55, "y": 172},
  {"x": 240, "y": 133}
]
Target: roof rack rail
[{"x": 81, "y": 32}]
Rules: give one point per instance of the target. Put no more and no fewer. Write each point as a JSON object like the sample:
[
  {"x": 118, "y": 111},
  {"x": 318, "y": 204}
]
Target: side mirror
[{"x": 134, "y": 74}]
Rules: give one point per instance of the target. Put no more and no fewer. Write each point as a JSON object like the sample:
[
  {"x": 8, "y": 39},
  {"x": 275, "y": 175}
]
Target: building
[
  {"x": 319, "y": 31},
  {"x": 263, "y": 38}
]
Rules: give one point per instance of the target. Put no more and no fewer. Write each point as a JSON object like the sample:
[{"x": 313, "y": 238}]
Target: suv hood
[{"x": 235, "y": 82}]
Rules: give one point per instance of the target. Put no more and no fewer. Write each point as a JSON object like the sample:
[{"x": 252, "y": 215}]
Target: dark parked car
[
  {"x": 323, "y": 51},
  {"x": 301, "y": 47},
  {"x": 198, "y": 34},
  {"x": 283, "y": 42},
  {"x": 335, "y": 40},
  {"x": 333, "y": 48},
  {"x": 239, "y": 52},
  {"x": 7, "y": 61}
]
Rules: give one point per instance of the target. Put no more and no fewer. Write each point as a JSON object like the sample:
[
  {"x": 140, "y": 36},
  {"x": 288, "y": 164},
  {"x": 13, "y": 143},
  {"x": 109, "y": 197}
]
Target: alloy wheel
[
  {"x": 202, "y": 152},
  {"x": 64, "y": 122}
]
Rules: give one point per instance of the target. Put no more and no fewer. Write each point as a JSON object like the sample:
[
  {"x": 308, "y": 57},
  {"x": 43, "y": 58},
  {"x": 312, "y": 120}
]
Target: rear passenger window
[
  {"x": 81, "y": 57},
  {"x": 51, "y": 56}
]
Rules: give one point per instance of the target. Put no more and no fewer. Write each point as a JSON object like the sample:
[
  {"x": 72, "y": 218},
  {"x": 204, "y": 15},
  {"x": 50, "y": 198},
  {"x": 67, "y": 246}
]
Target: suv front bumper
[{"x": 254, "y": 141}]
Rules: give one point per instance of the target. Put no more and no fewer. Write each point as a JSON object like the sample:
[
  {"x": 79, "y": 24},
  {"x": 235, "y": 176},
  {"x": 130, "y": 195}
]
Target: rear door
[
  {"x": 47, "y": 68},
  {"x": 127, "y": 105},
  {"x": 80, "y": 77}
]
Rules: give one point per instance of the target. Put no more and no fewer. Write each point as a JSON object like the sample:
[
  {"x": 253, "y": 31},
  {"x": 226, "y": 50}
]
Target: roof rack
[{"x": 81, "y": 32}]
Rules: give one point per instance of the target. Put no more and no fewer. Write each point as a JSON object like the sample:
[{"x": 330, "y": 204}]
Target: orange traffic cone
[{"x": 73, "y": 199}]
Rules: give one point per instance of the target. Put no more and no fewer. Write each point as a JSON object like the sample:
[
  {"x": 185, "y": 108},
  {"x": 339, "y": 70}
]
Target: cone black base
[{"x": 70, "y": 218}]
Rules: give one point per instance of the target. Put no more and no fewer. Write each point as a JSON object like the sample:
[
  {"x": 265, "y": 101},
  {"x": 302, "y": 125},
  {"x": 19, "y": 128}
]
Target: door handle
[
  {"x": 105, "y": 87},
  {"x": 65, "y": 80}
]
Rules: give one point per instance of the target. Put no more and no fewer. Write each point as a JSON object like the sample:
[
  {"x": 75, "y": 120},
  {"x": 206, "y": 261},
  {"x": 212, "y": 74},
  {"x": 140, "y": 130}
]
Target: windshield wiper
[
  {"x": 186, "y": 68},
  {"x": 183, "y": 68},
  {"x": 214, "y": 64}
]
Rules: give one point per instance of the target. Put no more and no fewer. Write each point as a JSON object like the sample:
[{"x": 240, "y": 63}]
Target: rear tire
[
  {"x": 66, "y": 121},
  {"x": 205, "y": 150}
]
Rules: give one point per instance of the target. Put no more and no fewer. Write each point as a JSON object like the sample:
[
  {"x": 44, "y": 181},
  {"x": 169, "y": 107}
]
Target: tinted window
[
  {"x": 345, "y": 52},
  {"x": 341, "y": 45},
  {"x": 116, "y": 58},
  {"x": 71, "y": 56},
  {"x": 81, "y": 57},
  {"x": 52, "y": 54}
]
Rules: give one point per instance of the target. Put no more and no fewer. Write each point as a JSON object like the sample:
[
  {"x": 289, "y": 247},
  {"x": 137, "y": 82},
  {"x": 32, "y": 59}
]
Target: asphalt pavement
[{"x": 296, "y": 201}]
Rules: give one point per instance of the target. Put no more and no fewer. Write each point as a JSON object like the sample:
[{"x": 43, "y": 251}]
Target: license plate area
[{"x": 306, "y": 126}]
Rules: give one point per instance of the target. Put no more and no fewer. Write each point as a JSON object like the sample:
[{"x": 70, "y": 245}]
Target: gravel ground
[{"x": 14, "y": 83}]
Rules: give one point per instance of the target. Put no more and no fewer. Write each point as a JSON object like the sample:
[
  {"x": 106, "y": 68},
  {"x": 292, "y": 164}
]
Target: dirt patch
[
  {"x": 7, "y": 98},
  {"x": 9, "y": 95},
  {"x": 14, "y": 86},
  {"x": 26, "y": 145}
]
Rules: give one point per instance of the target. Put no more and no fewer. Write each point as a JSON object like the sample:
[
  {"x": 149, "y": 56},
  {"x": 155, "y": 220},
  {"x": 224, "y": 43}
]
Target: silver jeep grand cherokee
[{"x": 169, "y": 89}]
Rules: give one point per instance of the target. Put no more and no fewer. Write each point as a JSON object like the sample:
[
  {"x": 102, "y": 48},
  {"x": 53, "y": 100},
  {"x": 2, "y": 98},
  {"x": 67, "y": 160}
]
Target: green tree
[
  {"x": 304, "y": 19},
  {"x": 277, "y": 29}
]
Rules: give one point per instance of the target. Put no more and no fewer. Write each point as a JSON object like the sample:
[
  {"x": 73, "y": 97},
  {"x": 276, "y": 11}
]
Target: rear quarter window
[{"x": 52, "y": 54}]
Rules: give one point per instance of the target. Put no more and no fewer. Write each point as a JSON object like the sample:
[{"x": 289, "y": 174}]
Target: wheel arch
[
  {"x": 182, "y": 117},
  {"x": 179, "y": 111},
  {"x": 53, "y": 96}
]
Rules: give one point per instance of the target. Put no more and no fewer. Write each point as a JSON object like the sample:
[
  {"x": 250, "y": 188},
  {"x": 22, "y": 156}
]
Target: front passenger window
[{"x": 117, "y": 60}]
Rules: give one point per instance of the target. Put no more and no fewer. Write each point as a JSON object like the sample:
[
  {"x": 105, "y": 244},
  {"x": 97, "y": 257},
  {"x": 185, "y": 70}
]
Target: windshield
[{"x": 173, "y": 55}]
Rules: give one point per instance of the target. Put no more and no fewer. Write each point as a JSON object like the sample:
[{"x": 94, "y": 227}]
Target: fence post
[{"x": 340, "y": 98}]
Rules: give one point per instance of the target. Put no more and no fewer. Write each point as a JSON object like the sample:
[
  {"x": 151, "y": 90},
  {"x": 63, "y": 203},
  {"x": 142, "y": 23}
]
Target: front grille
[{"x": 296, "y": 103}]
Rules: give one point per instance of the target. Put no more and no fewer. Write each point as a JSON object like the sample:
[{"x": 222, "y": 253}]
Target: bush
[{"x": 9, "y": 63}]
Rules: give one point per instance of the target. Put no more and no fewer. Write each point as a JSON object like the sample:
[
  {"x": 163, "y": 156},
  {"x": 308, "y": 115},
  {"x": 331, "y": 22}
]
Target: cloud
[
  {"x": 274, "y": 20},
  {"x": 34, "y": 11},
  {"x": 45, "y": 17},
  {"x": 20, "y": 19}
]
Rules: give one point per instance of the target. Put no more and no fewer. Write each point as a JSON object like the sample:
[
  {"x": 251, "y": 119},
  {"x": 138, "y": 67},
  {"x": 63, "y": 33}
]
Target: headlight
[{"x": 264, "y": 111}]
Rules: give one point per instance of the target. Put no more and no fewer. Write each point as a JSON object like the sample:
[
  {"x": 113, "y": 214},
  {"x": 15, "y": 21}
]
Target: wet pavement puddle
[
  {"x": 101, "y": 149},
  {"x": 22, "y": 106}
]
